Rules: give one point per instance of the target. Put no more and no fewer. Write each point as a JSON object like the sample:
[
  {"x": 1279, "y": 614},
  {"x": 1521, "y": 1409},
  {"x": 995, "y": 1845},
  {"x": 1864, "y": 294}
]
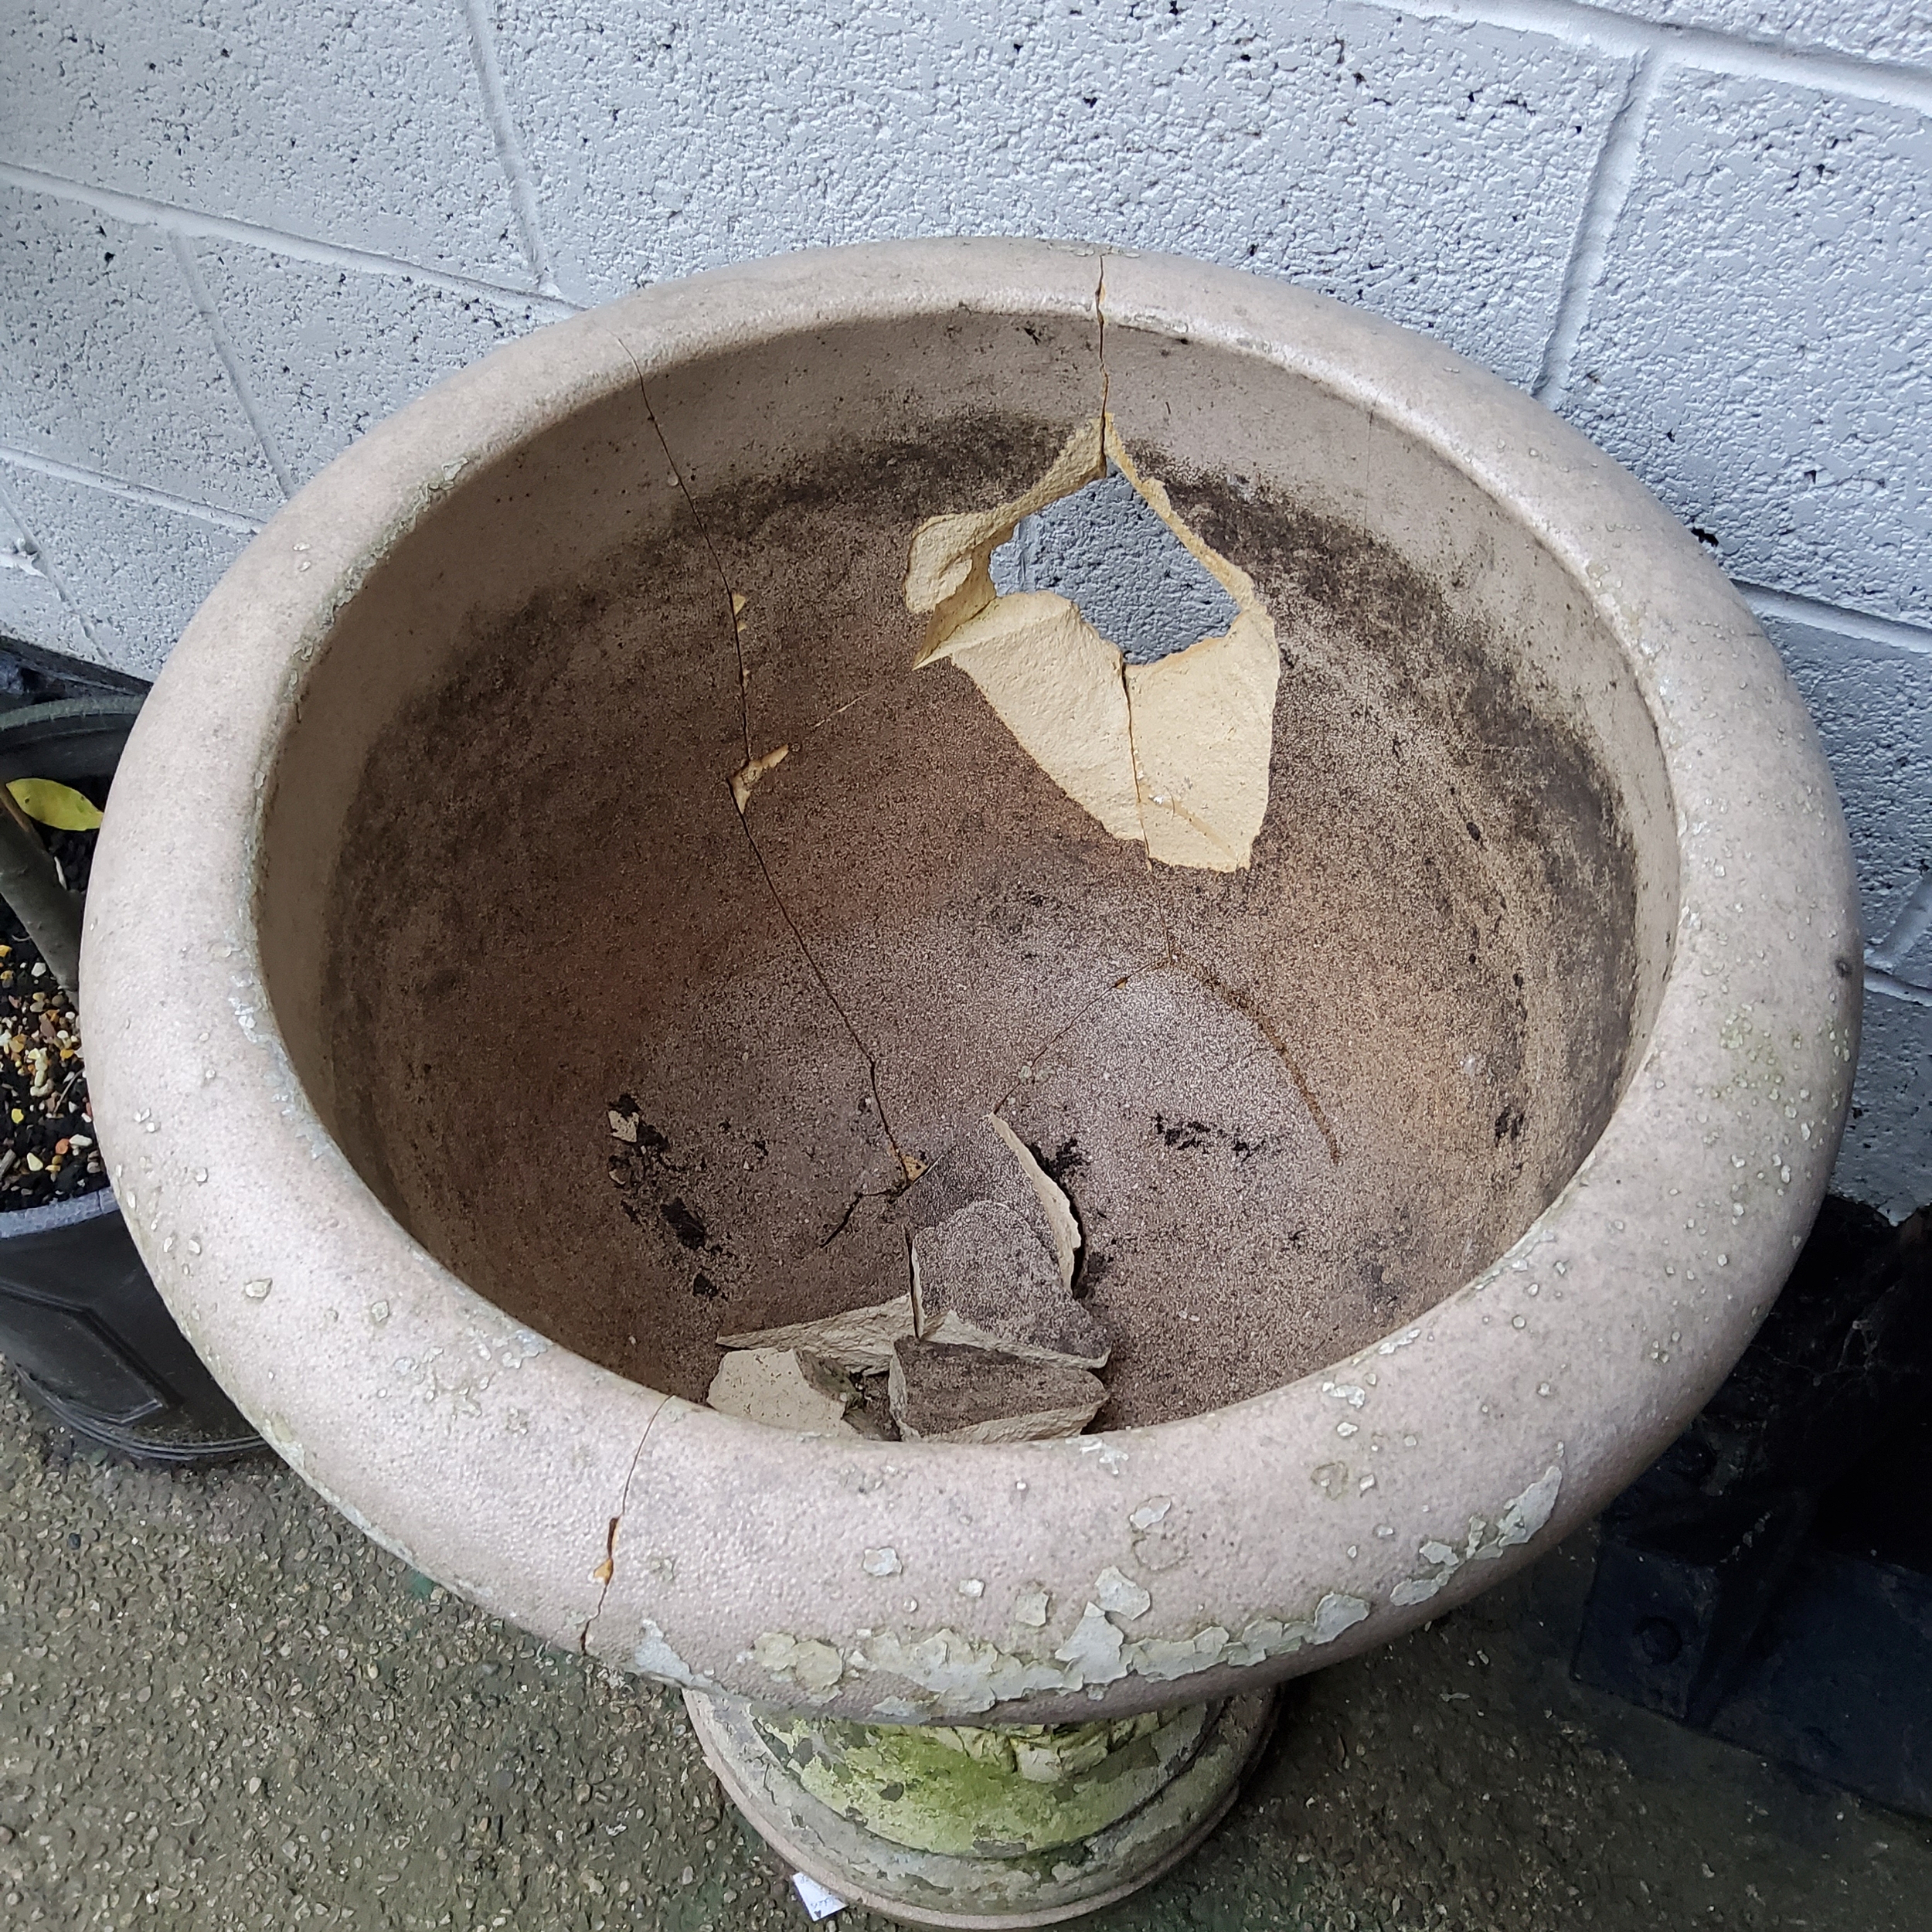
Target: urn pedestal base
[{"x": 962, "y": 1826}]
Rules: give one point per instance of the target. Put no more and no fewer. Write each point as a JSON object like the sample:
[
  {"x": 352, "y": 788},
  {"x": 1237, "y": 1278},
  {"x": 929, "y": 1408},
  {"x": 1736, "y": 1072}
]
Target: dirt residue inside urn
[{"x": 646, "y": 1060}]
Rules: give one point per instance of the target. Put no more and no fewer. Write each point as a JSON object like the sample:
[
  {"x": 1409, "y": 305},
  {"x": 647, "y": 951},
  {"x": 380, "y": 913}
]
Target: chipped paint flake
[
  {"x": 1335, "y": 1614},
  {"x": 959, "y": 1674},
  {"x": 1407, "y": 1339},
  {"x": 1415, "y": 1589},
  {"x": 1164, "y": 1658},
  {"x": 1093, "y": 1651},
  {"x": 652, "y": 1656},
  {"x": 810, "y": 1666},
  {"x": 1521, "y": 1518},
  {"x": 1119, "y": 1595}
]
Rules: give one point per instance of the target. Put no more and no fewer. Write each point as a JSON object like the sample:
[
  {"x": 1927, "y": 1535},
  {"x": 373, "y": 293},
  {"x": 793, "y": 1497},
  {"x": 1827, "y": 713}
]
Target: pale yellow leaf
[{"x": 58, "y": 805}]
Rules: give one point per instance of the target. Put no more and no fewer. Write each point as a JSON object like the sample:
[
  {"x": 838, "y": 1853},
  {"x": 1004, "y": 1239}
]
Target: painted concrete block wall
[{"x": 234, "y": 233}]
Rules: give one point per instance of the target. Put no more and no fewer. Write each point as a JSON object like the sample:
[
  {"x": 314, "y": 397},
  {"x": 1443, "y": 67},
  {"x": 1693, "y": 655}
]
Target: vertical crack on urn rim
[{"x": 606, "y": 1571}]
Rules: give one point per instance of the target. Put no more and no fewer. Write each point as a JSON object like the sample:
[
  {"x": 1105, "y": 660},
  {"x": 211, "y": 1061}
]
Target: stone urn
[{"x": 620, "y": 823}]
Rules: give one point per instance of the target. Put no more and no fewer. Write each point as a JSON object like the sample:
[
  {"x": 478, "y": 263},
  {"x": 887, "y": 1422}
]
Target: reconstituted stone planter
[{"x": 1442, "y": 1031}]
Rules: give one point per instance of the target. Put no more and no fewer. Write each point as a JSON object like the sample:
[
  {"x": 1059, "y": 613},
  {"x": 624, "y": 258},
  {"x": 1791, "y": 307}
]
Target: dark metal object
[
  {"x": 32, "y": 675},
  {"x": 1739, "y": 1589},
  {"x": 1837, "y": 1684}
]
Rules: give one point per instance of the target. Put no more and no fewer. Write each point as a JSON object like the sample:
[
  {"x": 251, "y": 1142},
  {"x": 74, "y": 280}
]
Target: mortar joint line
[
  {"x": 1907, "y": 992},
  {"x": 1892, "y": 83},
  {"x": 1899, "y": 83},
  {"x": 143, "y": 212},
  {"x": 1610, "y": 182},
  {"x": 237, "y": 520},
  {"x": 1894, "y": 633},
  {"x": 1913, "y": 922},
  {"x": 1100, "y": 330},
  {"x": 49, "y": 569},
  {"x": 509, "y": 146},
  {"x": 199, "y": 293}
]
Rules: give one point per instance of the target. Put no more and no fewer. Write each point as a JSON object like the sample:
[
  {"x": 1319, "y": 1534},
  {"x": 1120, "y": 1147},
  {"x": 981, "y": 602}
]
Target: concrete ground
[{"x": 221, "y": 1708}]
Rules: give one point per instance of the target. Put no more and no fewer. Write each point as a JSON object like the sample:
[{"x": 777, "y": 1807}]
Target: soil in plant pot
[{"x": 47, "y": 1148}]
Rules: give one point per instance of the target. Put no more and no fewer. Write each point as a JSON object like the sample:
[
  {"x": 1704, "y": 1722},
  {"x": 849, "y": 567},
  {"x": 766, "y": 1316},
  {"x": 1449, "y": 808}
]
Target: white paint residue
[
  {"x": 1522, "y": 1518},
  {"x": 963, "y": 1675},
  {"x": 959, "y": 1674},
  {"x": 1093, "y": 1651},
  {"x": 811, "y": 1666},
  {"x": 1164, "y": 1658},
  {"x": 651, "y": 1656},
  {"x": 1119, "y": 1595},
  {"x": 1335, "y": 1614},
  {"x": 1525, "y": 1515},
  {"x": 1415, "y": 1589}
]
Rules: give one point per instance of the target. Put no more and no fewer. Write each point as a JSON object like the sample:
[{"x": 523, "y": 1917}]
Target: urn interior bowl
[{"x": 1444, "y": 1069}]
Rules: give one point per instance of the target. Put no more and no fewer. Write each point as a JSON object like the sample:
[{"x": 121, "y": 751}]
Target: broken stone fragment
[
  {"x": 871, "y": 1415},
  {"x": 784, "y": 1390},
  {"x": 1174, "y": 754},
  {"x": 859, "y": 1341},
  {"x": 860, "y": 1263},
  {"x": 941, "y": 1392},
  {"x": 745, "y": 779},
  {"x": 981, "y": 1278},
  {"x": 991, "y": 1162}
]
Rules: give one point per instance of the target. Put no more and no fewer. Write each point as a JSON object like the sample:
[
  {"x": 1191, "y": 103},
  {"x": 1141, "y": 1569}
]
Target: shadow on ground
[{"x": 221, "y": 1707}]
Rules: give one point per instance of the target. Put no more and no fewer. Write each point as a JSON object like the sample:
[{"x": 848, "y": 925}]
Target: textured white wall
[{"x": 238, "y": 231}]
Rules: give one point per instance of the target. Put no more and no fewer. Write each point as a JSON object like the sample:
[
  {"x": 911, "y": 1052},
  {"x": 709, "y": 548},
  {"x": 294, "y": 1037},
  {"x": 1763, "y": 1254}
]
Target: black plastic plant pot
[
  {"x": 87, "y": 1333},
  {"x": 81, "y": 1322}
]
